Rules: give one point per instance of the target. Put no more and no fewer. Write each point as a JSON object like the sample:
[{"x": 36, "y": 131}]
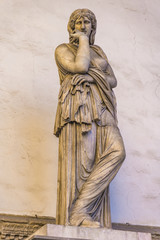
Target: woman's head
[{"x": 82, "y": 13}]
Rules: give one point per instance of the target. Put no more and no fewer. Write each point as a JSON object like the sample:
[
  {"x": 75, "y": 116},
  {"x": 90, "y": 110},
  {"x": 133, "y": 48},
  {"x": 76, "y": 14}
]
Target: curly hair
[{"x": 82, "y": 13}]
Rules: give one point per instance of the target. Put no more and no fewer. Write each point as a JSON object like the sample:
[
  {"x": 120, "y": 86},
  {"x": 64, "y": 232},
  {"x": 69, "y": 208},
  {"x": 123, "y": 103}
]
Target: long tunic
[{"x": 86, "y": 125}]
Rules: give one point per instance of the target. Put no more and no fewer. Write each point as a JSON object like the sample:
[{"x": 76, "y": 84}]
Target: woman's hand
[{"x": 78, "y": 34}]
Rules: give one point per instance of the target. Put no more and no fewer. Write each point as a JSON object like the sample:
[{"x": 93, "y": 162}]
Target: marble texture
[
  {"x": 51, "y": 230},
  {"x": 129, "y": 33}
]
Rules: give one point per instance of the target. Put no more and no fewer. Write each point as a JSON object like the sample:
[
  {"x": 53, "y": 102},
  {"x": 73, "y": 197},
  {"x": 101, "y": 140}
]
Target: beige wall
[{"x": 30, "y": 30}]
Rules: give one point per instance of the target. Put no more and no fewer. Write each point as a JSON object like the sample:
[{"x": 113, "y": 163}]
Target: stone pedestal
[{"x": 57, "y": 232}]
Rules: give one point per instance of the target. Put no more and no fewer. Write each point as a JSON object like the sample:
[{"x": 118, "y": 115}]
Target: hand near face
[{"x": 77, "y": 34}]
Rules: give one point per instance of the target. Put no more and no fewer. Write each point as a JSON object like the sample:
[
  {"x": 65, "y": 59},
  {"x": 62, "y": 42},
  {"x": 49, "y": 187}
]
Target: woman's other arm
[{"x": 110, "y": 77}]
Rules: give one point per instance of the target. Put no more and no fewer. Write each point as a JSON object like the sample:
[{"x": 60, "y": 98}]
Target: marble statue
[{"x": 91, "y": 148}]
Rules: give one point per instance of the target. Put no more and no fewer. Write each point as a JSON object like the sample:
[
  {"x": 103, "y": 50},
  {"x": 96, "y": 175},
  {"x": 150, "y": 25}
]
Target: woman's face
[{"x": 83, "y": 24}]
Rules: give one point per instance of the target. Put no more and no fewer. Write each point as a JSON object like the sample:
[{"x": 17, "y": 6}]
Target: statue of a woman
[{"x": 91, "y": 149}]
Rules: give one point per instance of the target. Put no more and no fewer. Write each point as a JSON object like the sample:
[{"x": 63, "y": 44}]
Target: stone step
[{"x": 57, "y": 232}]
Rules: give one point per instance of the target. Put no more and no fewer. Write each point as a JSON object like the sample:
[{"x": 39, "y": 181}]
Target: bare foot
[{"x": 90, "y": 223}]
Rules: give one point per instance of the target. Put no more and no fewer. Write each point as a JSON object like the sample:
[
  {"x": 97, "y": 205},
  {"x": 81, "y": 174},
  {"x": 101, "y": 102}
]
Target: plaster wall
[{"x": 129, "y": 33}]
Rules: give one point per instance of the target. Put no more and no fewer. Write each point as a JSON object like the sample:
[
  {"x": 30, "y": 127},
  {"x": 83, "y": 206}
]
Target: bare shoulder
[
  {"x": 61, "y": 47},
  {"x": 62, "y": 51}
]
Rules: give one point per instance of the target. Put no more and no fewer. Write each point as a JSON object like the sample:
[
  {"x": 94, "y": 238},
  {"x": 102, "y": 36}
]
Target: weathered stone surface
[
  {"x": 20, "y": 227},
  {"x": 51, "y": 230}
]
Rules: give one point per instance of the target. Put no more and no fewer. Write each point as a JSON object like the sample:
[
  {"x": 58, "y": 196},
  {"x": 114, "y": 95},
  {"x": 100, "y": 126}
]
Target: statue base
[{"x": 59, "y": 232}]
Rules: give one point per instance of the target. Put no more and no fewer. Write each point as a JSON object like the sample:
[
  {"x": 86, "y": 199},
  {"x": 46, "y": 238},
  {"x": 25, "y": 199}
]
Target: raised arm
[{"x": 80, "y": 62}]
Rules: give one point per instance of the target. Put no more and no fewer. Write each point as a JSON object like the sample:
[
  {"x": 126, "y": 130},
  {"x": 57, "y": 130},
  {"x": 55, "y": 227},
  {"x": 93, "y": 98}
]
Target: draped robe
[{"x": 86, "y": 125}]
